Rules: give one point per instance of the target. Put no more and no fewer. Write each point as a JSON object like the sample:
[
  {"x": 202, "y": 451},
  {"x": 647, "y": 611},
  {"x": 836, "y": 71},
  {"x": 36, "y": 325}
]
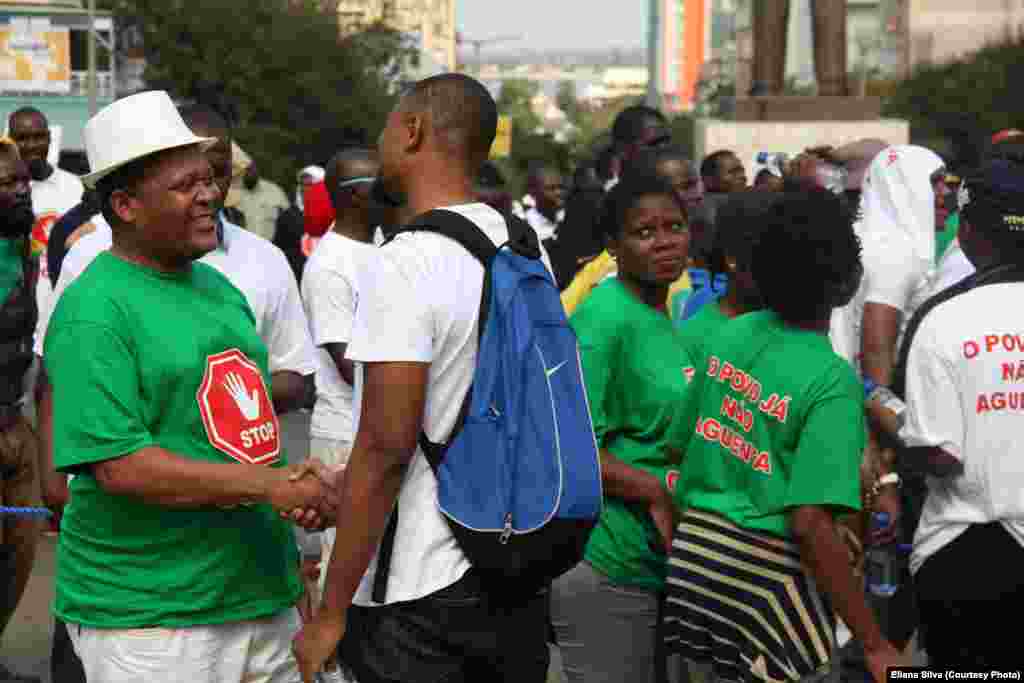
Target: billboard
[{"x": 34, "y": 56}]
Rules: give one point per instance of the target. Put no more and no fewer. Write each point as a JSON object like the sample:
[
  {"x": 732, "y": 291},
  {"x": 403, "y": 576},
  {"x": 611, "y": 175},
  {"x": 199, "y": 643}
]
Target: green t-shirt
[
  {"x": 10, "y": 266},
  {"x": 944, "y": 238},
  {"x": 775, "y": 420},
  {"x": 697, "y": 330},
  {"x": 139, "y": 358},
  {"x": 636, "y": 371}
]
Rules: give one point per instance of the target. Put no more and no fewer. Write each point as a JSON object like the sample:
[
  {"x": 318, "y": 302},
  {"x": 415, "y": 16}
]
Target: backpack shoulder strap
[
  {"x": 992, "y": 276},
  {"x": 456, "y": 227}
]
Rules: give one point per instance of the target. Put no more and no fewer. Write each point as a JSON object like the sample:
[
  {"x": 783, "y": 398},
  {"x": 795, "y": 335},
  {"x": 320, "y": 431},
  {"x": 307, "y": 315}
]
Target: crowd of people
[{"x": 766, "y": 368}]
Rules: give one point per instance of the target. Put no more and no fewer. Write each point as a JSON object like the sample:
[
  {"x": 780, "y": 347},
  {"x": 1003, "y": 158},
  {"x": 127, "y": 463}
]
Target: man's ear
[
  {"x": 415, "y": 126},
  {"x": 125, "y": 206}
]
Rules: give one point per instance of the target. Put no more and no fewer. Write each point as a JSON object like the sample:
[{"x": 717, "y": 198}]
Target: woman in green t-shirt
[
  {"x": 773, "y": 436},
  {"x": 636, "y": 371}
]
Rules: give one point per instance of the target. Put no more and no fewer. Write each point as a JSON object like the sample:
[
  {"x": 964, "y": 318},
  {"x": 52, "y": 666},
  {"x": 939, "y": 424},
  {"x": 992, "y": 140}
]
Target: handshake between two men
[{"x": 307, "y": 494}]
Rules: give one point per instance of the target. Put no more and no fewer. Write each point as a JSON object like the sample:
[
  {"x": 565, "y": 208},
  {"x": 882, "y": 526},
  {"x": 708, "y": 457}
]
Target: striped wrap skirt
[{"x": 742, "y": 601}]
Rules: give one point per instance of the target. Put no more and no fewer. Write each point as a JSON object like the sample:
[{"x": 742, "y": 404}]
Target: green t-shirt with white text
[
  {"x": 139, "y": 358},
  {"x": 637, "y": 372},
  {"x": 775, "y": 421}
]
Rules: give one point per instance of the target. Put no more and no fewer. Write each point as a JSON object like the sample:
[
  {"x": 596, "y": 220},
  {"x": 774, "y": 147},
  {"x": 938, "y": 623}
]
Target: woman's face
[{"x": 653, "y": 242}]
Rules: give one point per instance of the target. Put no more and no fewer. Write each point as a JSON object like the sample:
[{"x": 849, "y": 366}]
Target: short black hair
[
  {"x": 536, "y": 169},
  {"x": 648, "y": 160},
  {"x": 624, "y": 197},
  {"x": 806, "y": 260},
  {"x": 739, "y": 222},
  {"x": 490, "y": 176},
  {"x": 586, "y": 178},
  {"x": 462, "y": 111},
  {"x": 337, "y": 168},
  {"x": 994, "y": 195},
  {"x": 712, "y": 164},
  {"x": 1009, "y": 149},
  {"x": 603, "y": 159},
  {"x": 23, "y": 112},
  {"x": 206, "y": 118},
  {"x": 630, "y": 123}
]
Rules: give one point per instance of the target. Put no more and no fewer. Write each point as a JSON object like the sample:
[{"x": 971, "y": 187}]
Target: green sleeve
[
  {"x": 826, "y": 467},
  {"x": 96, "y": 396},
  {"x": 599, "y": 356}
]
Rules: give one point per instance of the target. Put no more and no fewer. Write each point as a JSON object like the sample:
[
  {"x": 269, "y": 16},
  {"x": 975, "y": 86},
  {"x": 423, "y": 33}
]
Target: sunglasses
[{"x": 353, "y": 182}]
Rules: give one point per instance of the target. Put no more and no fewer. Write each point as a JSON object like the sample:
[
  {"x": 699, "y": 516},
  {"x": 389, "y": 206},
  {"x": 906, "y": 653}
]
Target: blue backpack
[{"x": 519, "y": 481}]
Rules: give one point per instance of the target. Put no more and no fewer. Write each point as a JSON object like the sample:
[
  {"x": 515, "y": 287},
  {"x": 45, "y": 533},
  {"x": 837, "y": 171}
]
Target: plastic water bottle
[
  {"x": 777, "y": 159},
  {"x": 884, "y": 564}
]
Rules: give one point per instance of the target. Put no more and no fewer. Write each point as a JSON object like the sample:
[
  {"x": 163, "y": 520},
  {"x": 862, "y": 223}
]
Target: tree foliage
[
  {"x": 956, "y": 107},
  {"x": 295, "y": 89}
]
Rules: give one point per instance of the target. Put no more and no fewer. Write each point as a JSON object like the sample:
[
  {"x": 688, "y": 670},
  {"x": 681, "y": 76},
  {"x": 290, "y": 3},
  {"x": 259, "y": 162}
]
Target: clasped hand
[{"x": 307, "y": 494}]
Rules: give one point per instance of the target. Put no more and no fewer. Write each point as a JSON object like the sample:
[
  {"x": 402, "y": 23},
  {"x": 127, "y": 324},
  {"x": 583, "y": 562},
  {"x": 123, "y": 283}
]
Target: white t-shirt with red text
[{"x": 965, "y": 395}]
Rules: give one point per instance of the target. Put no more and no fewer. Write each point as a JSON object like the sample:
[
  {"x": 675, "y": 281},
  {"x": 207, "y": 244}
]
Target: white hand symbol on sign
[{"x": 248, "y": 404}]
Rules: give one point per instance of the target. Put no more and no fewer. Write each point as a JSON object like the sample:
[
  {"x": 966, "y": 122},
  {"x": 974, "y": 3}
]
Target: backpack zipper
[{"x": 506, "y": 533}]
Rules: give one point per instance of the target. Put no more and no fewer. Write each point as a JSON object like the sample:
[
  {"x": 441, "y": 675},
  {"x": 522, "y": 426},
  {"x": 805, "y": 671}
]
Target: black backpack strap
[
  {"x": 913, "y": 487},
  {"x": 456, "y": 227}
]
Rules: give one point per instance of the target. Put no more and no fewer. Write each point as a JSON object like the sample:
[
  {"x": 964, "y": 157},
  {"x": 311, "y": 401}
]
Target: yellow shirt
[{"x": 596, "y": 271}]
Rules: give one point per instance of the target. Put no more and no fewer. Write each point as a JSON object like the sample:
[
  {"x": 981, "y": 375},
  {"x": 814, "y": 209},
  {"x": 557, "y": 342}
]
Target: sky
[{"x": 552, "y": 24}]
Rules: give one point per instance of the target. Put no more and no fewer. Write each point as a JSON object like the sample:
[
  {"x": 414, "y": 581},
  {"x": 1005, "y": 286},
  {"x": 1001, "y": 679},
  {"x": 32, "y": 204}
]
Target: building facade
[
  {"x": 44, "y": 64},
  {"x": 430, "y": 24},
  {"x": 691, "y": 42}
]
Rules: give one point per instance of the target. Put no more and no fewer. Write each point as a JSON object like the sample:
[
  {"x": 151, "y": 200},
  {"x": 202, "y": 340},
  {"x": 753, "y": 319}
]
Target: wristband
[
  {"x": 869, "y": 386},
  {"x": 888, "y": 400},
  {"x": 891, "y": 478}
]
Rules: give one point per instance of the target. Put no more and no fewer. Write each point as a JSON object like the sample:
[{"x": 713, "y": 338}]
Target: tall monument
[
  {"x": 767, "y": 101},
  {"x": 770, "y": 24}
]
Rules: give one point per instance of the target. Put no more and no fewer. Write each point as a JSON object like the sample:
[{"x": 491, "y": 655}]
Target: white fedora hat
[{"x": 132, "y": 128}]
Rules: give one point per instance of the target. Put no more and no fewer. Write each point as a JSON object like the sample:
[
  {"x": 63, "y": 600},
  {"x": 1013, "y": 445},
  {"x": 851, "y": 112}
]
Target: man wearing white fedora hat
[{"x": 173, "y": 562}]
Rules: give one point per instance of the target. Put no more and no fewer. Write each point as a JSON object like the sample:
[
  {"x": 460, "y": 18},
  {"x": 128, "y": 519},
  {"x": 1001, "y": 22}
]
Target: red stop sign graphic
[{"x": 237, "y": 413}]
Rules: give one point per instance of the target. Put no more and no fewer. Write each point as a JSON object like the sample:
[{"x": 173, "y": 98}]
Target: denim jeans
[{"x": 455, "y": 635}]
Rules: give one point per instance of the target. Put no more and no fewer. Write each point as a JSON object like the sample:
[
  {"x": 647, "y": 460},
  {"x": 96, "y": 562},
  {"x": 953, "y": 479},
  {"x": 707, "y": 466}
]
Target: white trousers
[
  {"x": 256, "y": 651},
  {"x": 333, "y": 453}
]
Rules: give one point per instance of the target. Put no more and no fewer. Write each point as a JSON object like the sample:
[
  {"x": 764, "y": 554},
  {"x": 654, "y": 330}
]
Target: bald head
[
  {"x": 462, "y": 114},
  {"x": 347, "y": 165},
  {"x": 31, "y": 132},
  {"x": 27, "y": 115}
]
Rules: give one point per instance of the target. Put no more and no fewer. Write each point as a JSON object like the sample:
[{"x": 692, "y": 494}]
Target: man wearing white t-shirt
[
  {"x": 415, "y": 338},
  {"x": 329, "y": 294},
  {"x": 54, "y": 190},
  {"x": 964, "y": 420}
]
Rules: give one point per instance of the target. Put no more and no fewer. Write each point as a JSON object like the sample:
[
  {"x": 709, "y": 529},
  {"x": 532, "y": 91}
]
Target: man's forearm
[
  {"x": 369, "y": 491},
  {"x": 931, "y": 460},
  {"x": 289, "y": 390},
  {"x": 53, "y": 483},
  {"x": 160, "y": 477},
  {"x": 828, "y": 562},
  {"x": 627, "y": 482}
]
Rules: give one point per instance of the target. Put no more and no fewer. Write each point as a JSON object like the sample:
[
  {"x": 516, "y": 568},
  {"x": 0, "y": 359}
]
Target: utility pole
[
  {"x": 654, "y": 58},
  {"x": 93, "y": 86}
]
